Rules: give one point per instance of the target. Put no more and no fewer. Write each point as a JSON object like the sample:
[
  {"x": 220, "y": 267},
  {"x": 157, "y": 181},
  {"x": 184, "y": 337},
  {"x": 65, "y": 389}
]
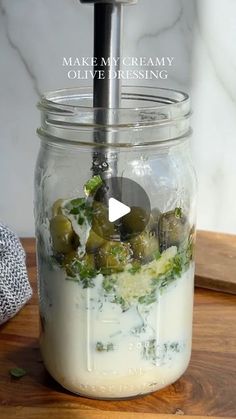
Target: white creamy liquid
[{"x": 77, "y": 319}]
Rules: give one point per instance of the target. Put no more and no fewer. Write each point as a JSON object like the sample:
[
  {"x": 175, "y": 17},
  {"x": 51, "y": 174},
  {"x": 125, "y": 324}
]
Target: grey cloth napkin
[{"x": 15, "y": 289}]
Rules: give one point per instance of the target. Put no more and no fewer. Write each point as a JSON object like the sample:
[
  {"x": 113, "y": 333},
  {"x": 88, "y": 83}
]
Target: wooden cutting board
[
  {"x": 62, "y": 413},
  {"x": 216, "y": 261},
  {"x": 206, "y": 390}
]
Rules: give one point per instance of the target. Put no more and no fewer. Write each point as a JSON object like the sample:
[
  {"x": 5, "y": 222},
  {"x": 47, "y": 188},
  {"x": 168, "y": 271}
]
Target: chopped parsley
[
  {"x": 119, "y": 252},
  {"x": 121, "y": 301},
  {"x": 108, "y": 284},
  {"x": 17, "y": 372},
  {"x": 148, "y": 299},
  {"x": 75, "y": 211},
  {"x": 82, "y": 208},
  {"x": 81, "y": 271},
  {"x": 136, "y": 267},
  {"x": 178, "y": 212},
  {"x": 78, "y": 202},
  {"x": 92, "y": 185},
  {"x": 80, "y": 220},
  {"x": 157, "y": 254}
]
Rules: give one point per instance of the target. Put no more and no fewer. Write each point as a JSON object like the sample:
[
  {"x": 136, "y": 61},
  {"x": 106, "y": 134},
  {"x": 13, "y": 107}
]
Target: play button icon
[
  {"x": 121, "y": 209},
  {"x": 117, "y": 210}
]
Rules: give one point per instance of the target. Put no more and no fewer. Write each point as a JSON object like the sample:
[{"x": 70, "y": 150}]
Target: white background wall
[{"x": 200, "y": 34}]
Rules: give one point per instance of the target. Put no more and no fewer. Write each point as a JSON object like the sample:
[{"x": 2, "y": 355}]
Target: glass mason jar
[{"x": 116, "y": 298}]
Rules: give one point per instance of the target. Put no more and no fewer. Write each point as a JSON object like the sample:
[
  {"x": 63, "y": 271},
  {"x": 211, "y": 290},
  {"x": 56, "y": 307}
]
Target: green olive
[
  {"x": 135, "y": 222},
  {"x": 70, "y": 258},
  {"x": 101, "y": 224},
  {"x": 145, "y": 246},
  {"x": 113, "y": 257},
  {"x": 94, "y": 242},
  {"x": 173, "y": 228},
  {"x": 57, "y": 207},
  {"x": 62, "y": 234},
  {"x": 87, "y": 260}
]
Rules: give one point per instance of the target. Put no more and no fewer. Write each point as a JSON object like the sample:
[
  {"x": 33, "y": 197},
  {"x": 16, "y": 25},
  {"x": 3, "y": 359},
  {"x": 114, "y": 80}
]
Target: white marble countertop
[{"x": 35, "y": 35}]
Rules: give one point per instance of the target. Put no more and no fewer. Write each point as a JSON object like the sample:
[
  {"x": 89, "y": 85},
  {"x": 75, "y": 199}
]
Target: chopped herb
[
  {"x": 157, "y": 254},
  {"x": 80, "y": 271},
  {"x": 85, "y": 271},
  {"x": 178, "y": 212},
  {"x": 136, "y": 267},
  {"x": 166, "y": 279},
  {"x": 81, "y": 207},
  {"x": 121, "y": 301},
  {"x": 148, "y": 299},
  {"x": 116, "y": 250},
  {"x": 120, "y": 253},
  {"x": 108, "y": 284},
  {"x": 183, "y": 258},
  {"x": 75, "y": 211},
  {"x": 92, "y": 185},
  {"x": 177, "y": 266},
  {"x": 18, "y": 372},
  {"x": 78, "y": 202},
  {"x": 100, "y": 347},
  {"x": 80, "y": 220}
]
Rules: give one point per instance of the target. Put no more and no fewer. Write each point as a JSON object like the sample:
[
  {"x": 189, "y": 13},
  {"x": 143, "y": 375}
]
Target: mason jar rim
[
  {"x": 52, "y": 101},
  {"x": 148, "y": 116}
]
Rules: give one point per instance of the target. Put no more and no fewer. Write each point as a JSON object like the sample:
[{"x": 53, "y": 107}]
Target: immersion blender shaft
[
  {"x": 107, "y": 90},
  {"x": 108, "y": 24},
  {"x": 107, "y": 46}
]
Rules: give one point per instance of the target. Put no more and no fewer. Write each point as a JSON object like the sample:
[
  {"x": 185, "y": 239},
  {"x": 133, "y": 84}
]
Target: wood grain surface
[
  {"x": 69, "y": 413},
  {"x": 208, "y": 388},
  {"x": 216, "y": 261}
]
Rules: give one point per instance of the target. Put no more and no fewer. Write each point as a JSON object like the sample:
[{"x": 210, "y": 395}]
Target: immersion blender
[{"x": 108, "y": 28}]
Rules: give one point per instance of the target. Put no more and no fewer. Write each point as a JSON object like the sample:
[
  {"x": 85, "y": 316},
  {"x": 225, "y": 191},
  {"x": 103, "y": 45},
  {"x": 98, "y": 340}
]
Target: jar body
[{"x": 126, "y": 333}]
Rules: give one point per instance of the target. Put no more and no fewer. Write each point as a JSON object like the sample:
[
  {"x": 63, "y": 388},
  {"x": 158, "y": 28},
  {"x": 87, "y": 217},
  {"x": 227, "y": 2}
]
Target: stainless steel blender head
[
  {"x": 108, "y": 27},
  {"x": 110, "y": 1}
]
